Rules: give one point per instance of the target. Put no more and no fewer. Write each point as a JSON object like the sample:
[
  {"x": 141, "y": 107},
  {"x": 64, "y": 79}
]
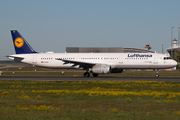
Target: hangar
[{"x": 106, "y": 50}]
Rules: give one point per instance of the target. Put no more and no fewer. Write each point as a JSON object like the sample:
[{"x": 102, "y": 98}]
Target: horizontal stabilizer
[{"x": 15, "y": 58}]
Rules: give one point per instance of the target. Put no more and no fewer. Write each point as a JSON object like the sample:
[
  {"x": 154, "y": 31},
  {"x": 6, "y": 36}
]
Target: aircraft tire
[
  {"x": 86, "y": 74},
  {"x": 157, "y": 75}
]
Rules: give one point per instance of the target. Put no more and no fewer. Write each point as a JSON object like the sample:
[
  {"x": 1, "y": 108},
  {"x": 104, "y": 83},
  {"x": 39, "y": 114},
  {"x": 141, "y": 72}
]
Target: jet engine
[
  {"x": 101, "y": 69},
  {"x": 116, "y": 70}
]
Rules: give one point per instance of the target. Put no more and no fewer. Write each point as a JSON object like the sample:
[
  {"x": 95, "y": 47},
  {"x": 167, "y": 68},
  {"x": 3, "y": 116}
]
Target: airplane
[{"x": 95, "y": 63}]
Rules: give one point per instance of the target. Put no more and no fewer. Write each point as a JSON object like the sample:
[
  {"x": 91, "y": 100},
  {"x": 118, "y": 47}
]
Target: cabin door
[
  {"x": 34, "y": 60},
  {"x": 120, "y": 60},
  {"x": 155, "y": 61}
]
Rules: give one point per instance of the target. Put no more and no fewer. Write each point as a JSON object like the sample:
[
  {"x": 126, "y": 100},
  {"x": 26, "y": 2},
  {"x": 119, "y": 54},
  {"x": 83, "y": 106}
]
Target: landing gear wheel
[
  {"x": 157, "y": 75},
  {"x": 95, "y": 75},
  {"x": 86, "y": 74}
]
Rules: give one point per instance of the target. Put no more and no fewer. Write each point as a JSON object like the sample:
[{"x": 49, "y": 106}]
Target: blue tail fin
[{"x": 20, "y": 44}]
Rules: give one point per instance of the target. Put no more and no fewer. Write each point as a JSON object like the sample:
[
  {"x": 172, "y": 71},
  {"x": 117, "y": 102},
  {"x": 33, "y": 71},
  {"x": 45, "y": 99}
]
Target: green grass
[
  {"x": 89, "y": 100},
  {"x": 38, "y": 71}
]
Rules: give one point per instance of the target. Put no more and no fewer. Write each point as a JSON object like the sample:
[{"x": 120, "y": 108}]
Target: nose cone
[{"x": 174, "y": 63}]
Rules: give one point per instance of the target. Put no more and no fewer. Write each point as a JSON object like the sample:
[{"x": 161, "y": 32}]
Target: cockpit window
[{"x": 167, "y": 58}]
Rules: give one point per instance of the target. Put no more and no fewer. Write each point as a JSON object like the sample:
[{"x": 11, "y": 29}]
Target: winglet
[{"x": 20, "y": 44}]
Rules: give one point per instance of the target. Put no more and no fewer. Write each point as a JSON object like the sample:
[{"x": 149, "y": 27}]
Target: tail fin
[{"x": 20, "y": 44}]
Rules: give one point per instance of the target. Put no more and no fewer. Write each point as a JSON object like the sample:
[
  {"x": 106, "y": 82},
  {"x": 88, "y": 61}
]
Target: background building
[
  {"x": 105, "y": 50},
  {"x": 147, "y": 47},
  {"x": 176, "y": 46}
]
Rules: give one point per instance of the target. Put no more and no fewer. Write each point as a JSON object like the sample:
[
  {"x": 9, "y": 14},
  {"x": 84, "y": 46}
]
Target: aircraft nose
[{"x": 174, "y": 63}]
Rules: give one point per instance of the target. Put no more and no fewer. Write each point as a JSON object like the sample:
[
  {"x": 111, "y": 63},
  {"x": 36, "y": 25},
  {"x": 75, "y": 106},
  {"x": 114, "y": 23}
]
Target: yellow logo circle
[{"x": 19, "y": 42}]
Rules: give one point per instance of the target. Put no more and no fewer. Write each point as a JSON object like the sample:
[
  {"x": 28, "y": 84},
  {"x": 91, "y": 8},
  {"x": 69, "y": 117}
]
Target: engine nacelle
[
  {"x": 101, "y": 69},
  {"x": 116, "y": 70}
]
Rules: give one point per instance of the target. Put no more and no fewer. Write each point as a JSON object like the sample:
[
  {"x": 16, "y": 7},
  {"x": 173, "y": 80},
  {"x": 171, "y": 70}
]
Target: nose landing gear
[{"x": 157, "y": 74}]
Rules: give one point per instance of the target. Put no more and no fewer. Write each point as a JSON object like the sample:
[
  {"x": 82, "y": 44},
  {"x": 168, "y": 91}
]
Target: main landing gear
[
  {"x": 87, "y": 74},
  {"x": 157, "y": 74}
]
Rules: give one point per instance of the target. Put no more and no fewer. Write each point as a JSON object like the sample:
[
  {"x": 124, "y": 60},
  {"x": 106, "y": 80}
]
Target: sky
[{"x": 53, "y": 25}]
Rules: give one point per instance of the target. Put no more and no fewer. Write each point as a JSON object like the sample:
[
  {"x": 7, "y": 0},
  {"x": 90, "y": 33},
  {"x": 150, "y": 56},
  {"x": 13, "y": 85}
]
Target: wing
[{"x": 81, "y": 64}]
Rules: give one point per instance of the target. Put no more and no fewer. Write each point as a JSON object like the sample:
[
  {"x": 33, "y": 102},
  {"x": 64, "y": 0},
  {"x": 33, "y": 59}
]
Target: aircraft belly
[
  {"x": 144, "y": 66},
  {"x": 132, "y": 65},
  {"x": 56, "y": 66}
]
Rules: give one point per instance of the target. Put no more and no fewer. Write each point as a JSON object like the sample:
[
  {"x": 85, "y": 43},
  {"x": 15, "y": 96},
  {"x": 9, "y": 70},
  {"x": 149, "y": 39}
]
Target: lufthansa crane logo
[{"x": 19, "y": 42}]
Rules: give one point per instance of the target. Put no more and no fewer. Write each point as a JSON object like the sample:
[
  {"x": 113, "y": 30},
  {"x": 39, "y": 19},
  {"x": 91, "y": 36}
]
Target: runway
[{"x": 44, "y": 78}]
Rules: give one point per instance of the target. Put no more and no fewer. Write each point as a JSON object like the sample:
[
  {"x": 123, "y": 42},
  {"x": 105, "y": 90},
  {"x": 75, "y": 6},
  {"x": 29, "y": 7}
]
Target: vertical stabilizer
[{"x": 20, "y": 44}]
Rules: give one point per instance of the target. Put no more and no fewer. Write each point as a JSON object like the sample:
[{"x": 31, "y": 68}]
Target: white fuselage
[{"x": 115, "y": 60}]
